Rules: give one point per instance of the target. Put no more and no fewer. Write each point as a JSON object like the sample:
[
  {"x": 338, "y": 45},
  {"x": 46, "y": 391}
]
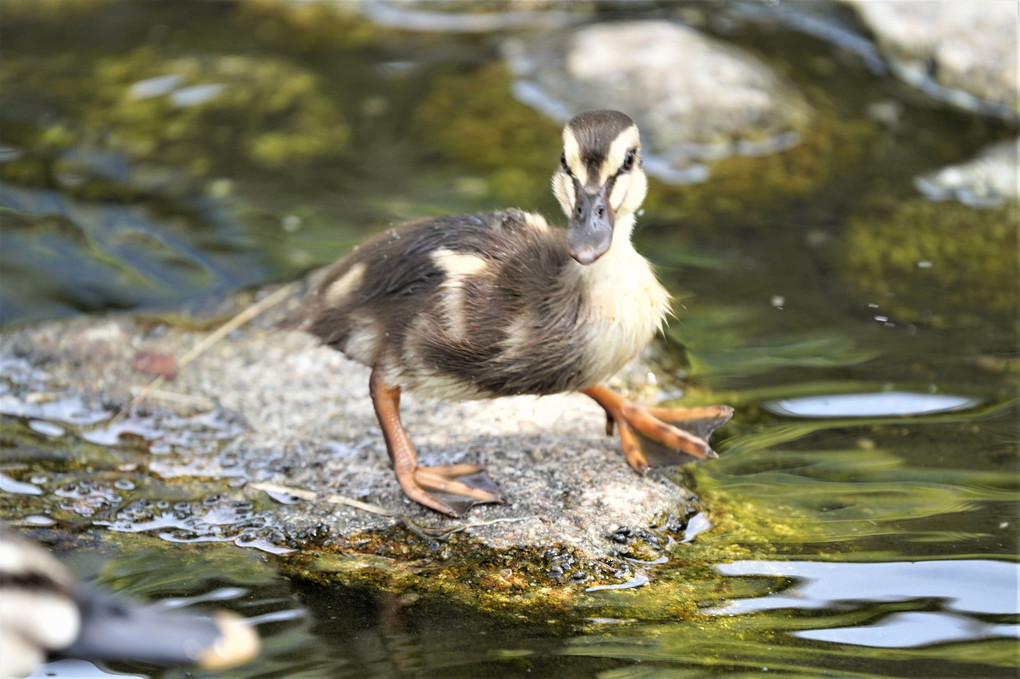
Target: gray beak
[{"x": 591, "y": 228}]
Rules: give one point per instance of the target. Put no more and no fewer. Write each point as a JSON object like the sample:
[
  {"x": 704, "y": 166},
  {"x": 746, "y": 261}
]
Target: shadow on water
[{"x": 864, "y": 507}]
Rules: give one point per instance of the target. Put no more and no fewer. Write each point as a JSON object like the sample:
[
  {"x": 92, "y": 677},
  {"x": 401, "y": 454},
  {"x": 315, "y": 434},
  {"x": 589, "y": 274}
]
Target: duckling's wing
[
  {"x": 444, "y": 295},
  {"x": 389, "y": 276}
]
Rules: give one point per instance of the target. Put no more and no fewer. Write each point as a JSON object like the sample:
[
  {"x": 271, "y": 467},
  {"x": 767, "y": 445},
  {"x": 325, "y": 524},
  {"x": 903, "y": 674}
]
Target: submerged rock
[
  {"x": 265, "y": 408},
  {"x": 200, "y": 113},
  {"x": 695, "y": 98},
  {"x": 907, "y": 259}
]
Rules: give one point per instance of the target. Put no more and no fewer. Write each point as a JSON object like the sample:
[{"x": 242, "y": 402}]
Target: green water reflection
[{"x": 791, "y": 277}]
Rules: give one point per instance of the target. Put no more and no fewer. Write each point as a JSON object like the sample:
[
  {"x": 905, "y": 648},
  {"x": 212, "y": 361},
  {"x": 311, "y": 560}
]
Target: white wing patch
[
  {"x": 340, "y": 289},
  {"x": 457, "y": 266}
]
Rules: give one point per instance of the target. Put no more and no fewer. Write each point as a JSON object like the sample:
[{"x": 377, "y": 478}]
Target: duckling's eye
[{"x": 628, "y": 160}]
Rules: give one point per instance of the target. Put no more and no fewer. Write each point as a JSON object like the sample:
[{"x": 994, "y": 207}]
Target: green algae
[
  {"x": 946, "y": 265},
  {"x": 472, "y": 119},
  {"x": 518, "y": 583},
  {"x": 829, "y": 147},
  {"x": 207, "y": 110},
  {"x": 307, "y": 26},
  {"x": 273, "y": 112}
]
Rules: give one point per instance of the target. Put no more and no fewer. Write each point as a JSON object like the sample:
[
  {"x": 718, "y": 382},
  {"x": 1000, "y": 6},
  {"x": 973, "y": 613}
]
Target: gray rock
[
  {"x": 694, "y": 98},
  {"x": 961, "y": 52},
  {"x": 272, "y": 407}
]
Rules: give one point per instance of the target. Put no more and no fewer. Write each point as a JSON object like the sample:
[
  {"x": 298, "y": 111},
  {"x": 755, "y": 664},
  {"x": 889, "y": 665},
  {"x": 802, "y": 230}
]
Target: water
[{"x": 865, "y": 507}]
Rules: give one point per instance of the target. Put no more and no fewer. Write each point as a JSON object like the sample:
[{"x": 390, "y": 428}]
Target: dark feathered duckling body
[
  {"x": 486, "y": 305},
  {"x": 499, "y": 304}
]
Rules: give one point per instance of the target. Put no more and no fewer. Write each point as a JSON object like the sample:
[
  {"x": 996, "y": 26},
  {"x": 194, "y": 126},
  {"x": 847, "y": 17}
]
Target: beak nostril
[{"x": 601, "y": 212}]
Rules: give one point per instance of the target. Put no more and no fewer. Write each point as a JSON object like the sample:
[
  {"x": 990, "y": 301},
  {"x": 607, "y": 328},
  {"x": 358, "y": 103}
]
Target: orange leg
[
  {"x": 632, "y": 418},
  {"x": 414, "y": 479}
]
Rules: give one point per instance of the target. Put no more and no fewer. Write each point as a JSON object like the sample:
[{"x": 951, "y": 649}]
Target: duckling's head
[{"x": 600, "y": 183}]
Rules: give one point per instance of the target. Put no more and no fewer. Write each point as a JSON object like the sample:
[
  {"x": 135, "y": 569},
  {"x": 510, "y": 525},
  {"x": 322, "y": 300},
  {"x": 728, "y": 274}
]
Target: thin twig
[
  {"x": 211, "y": 339},
  {"x": 311, "y": 496},
  {"x": 426, "y": 531}
]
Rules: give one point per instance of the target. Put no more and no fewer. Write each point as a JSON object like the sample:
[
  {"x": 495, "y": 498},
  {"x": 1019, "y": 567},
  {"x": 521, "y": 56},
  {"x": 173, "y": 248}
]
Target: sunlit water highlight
[
  {"x": 956, "y": 594},
  {"x": 881, "y": 404}
]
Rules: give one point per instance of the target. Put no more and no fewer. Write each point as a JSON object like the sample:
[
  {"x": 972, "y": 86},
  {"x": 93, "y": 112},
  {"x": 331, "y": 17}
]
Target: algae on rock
[{"x": 914, "y": 262}]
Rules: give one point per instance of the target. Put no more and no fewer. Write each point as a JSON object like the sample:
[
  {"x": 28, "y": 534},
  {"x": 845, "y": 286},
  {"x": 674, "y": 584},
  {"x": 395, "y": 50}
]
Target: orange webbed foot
[
  {"x": 683, "y": 430},
  {"x": 455, "y": 488}
]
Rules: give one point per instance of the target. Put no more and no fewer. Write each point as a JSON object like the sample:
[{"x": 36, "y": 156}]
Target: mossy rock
[
  {"x": 196, "y": 112},
  {"x": 308, "y": 26},
  {"x": 473, "y": 119},
  {"x": 945, "y": 264},
  {"x": 828, "y": 146}
]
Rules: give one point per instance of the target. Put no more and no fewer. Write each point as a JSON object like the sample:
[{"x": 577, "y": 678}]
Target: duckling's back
[{"x": 465, "y": 306}]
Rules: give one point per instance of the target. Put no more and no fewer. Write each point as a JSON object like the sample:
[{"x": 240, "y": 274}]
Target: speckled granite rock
[{"x": 270, "y": 406}]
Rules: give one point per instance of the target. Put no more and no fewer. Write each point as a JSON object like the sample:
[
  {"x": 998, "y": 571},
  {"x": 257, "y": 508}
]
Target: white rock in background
[
  {"x": 963, "y": 52},
  {"x": 694, "y": 97},
  {"x": 991, "y": 178}
]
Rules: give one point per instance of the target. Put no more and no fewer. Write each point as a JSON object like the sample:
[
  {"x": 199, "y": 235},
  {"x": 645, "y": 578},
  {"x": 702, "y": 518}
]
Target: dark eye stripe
[{"x": 563, "y": 164}]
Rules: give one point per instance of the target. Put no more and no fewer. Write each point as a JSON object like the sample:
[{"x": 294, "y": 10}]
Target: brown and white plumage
[{"x": 500, "y": 303}]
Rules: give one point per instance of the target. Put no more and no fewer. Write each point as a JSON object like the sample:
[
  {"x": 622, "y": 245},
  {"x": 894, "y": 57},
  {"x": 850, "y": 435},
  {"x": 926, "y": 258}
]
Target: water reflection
[
  {"x": 955, "y": 594},
  {"x": 880, "y": 404},
  {"x": 63, "y": 255},
  {"x": 907, "y": 630}
]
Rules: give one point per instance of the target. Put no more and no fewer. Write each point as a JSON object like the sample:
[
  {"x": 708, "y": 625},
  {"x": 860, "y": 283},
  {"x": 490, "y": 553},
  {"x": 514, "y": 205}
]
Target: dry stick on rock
[
  {"x": 213, "y": 337},
  {"x": 311, "y": 495},
  {"x": 438, "y": 532}
]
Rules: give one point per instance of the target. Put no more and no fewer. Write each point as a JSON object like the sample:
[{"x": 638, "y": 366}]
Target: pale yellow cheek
[
  {"x": 572, "y": 153},
  {"x": 563, "y": 189},
  {"x": 629, "y": 192},
  {"x": 620, "y": 189}
]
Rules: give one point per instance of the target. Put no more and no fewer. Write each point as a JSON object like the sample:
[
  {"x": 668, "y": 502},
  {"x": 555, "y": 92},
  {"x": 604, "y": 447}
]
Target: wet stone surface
[{"x": 268, "y": 406}]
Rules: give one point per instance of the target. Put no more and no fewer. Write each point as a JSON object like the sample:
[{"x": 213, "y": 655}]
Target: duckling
[
  {"x": 46, "y": 612},
  {"x": 500, "y": 304}
]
